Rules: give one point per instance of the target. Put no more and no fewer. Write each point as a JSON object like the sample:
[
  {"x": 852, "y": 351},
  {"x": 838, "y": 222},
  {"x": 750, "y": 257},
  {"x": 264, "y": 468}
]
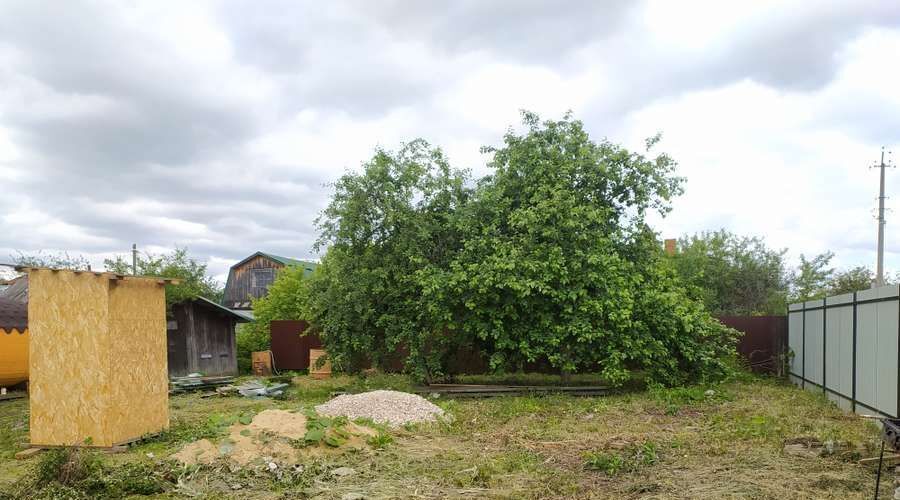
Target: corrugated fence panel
[
  {"x": 795, "y": 341},
  {"x": 886, "y": 358},
  {"x": 839, "y": 350},
  {"x": 866, "y": 349},
  {"x": 813, "y": 352}
]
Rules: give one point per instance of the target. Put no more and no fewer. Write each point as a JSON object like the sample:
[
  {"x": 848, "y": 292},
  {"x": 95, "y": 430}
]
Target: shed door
[{"x": 176, "y": 341}]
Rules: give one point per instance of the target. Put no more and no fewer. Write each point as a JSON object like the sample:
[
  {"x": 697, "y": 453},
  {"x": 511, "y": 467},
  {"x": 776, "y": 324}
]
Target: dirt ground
[{"x": 653, "y": 444}]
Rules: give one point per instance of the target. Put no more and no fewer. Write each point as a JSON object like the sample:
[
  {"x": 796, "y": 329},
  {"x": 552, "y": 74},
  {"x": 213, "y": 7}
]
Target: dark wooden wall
[
  {"x": 239, "y": 286},
  {"x": 203, "y": 341}
]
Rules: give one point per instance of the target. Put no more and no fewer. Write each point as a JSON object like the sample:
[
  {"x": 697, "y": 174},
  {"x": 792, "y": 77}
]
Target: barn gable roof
[{"x": 285, "y": 261}]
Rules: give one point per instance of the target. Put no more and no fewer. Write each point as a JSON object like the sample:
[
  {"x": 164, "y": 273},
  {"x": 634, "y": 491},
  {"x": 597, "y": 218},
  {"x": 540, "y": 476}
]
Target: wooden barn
[
  {"x": 250, "y": 278},
  {"x": 201, "y": 338}
]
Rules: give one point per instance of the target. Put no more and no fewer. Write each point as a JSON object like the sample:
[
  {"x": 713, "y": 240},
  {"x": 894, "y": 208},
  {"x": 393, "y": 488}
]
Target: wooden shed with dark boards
[
  {"x": 251, "y": 278},
  {"x": 201, "y": 338}
]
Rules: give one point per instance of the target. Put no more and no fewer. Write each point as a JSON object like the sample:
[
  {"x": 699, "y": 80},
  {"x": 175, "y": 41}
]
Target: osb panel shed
[{"x": 98, "y": 371}]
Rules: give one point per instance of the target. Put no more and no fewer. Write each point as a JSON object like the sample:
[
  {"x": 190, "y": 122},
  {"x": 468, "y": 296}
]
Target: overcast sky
[{"x": 217, "y": 125}]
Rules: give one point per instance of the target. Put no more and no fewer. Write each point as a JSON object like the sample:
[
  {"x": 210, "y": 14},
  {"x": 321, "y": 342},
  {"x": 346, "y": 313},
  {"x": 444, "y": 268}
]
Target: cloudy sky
[{"x": 217, "y": 125}]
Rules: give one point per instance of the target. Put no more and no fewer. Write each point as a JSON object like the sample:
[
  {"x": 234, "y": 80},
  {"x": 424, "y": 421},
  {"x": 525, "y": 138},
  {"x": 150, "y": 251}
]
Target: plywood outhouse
[{"x": 98, "y": 371}]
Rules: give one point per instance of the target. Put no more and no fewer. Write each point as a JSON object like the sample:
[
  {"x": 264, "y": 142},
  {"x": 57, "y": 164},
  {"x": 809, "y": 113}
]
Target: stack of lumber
[{"x": 196, "y": 382}]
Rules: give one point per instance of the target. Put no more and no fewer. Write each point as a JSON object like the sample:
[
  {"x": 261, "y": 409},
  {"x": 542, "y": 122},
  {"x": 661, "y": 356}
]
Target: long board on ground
[{"x": 486, "y": 391}]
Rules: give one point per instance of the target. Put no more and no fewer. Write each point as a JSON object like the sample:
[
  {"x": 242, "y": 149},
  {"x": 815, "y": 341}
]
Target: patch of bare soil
[{"x": 274, "y": 436}]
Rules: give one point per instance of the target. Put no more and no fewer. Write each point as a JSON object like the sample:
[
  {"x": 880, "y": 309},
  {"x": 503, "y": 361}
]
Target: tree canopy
[
  {"x": 812, "y": 277},
  {"x": 547, "y": 259},
  {"x": 733, "y": 275},
  {"x": 850, "y": 280},
  {"x": 175, "y": 264},
  {"x": 61, "y": 260}
]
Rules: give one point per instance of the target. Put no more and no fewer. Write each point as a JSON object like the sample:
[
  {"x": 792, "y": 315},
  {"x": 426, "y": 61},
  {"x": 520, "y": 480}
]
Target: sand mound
[
  {"x": 280, "y": 423},
  {"x": 271, "y": 436},
  {"x": 198, "y": 452},
  {"x": 386, "y": 407}
]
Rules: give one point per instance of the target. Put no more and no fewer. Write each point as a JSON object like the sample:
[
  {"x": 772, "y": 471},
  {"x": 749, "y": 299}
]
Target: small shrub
[
  {"x": 629, "y": 459},
  {"x": 380, "y": 441},
  {"x": 67, "y": 466},
  {"x": 328, "y": 430},
  {"x": 75, "y": 473}
]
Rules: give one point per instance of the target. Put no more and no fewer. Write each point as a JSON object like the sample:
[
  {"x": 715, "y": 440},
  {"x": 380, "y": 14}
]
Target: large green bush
[
  {"x": 286, "y": 300},
  {"x": 547, "y": 259}
]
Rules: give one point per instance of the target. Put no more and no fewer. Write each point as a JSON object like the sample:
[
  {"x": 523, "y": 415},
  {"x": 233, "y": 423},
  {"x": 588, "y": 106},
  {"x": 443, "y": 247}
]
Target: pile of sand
[
  {"x": 268, "y": 437},
  {"x": 386, "y": 407}
]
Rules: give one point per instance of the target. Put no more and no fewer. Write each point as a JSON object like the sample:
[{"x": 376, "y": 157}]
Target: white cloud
[{"x": 215, "y": 125}]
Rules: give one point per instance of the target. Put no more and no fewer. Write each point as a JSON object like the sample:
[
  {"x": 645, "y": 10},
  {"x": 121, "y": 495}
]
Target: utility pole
[
  {"x": 134, "y": 245},
  {"x": 879, "y": 266}
]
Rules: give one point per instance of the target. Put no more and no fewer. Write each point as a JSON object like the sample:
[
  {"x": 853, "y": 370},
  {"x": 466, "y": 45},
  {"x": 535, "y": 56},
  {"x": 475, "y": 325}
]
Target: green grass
[{"x": 662, "y": 443}]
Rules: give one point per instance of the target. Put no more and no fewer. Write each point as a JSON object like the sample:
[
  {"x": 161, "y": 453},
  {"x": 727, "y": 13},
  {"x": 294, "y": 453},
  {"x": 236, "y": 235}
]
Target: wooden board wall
[
  {"x": 239, "y": 286},
  {"x": 202, "y": 341},
  {"x": 97, "y": 358}
]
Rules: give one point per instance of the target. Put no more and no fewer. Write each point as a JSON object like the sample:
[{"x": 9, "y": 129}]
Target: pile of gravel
[{"x": 386, "y": 407}]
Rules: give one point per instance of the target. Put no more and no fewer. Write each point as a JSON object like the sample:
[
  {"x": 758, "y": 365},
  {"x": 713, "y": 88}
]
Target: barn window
[{"x": 262, "y": 278}]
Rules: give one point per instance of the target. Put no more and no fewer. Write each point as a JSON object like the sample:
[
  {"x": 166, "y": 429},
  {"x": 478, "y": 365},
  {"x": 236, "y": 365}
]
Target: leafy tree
[
  {"x": 811, "y": 279},
  {"x": 558, "y": 264},
  {"x": 286, "y": 300},
  {"x": 548, "y": 259},
  {"x": 175, "y": 264},
  {"x": 52, "y": 260},
  {"x": 733, "y": 275},
  {"x": 390, "y": 234},
  {"x": 851, "y": 280}
]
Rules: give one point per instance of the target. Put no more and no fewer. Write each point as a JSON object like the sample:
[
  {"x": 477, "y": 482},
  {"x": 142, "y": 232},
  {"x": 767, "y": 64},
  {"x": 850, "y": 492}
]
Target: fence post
[
  {"x": 803, "y": 347},
  {"x": 824, "y": 345},
  {"x": 853, "y": 389}
]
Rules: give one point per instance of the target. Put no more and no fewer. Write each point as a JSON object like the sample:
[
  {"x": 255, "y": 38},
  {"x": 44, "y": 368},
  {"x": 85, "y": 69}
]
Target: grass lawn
[{"x": 677, "y": 443}]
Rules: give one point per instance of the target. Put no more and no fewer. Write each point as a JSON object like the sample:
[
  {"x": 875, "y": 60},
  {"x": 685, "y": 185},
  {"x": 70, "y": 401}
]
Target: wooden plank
[
  {"x": 463, "y": 390},
  {"x": 12, "y": 395},
  {"x": 874, "y": 460},
  {"x": 28, "y": 453}
]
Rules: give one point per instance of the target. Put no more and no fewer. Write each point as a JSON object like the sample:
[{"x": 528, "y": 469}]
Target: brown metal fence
[
  {"x": 289, "y": 348},
  {"x": 763, "y": 342}
]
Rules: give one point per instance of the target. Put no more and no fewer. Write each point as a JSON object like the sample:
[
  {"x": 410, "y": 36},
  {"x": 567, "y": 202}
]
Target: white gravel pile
[{"x": 386, "y": 407}]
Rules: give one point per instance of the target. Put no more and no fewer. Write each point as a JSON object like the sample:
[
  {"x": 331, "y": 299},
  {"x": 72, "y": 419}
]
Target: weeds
[
  {"x": 628, "y": 459},
  {"x": 328, "y": 430},
  {"x": 214, "y": 426},
  {"x": 674, "y": 399},
  {"x": 76, "y": 473},
  {"x": 380, "y": 441}
]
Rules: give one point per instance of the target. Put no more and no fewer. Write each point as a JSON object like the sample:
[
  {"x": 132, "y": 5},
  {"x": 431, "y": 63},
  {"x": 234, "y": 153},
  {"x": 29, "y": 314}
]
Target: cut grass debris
[{"x": 657, "y": 443}]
